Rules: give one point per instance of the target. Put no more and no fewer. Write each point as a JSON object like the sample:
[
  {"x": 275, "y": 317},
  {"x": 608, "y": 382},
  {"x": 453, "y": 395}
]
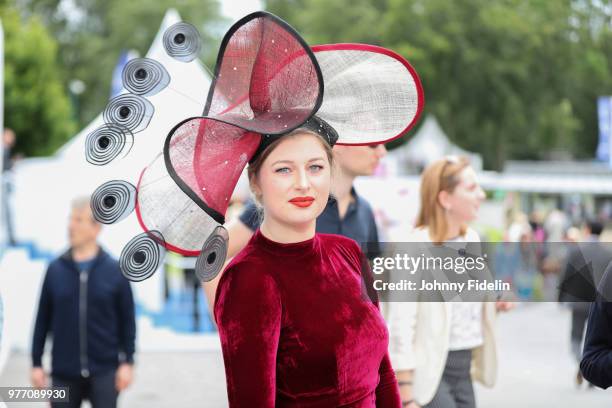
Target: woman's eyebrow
[
  {"x": 282, "y": 161},
  {"x": 291, "y": 161}
]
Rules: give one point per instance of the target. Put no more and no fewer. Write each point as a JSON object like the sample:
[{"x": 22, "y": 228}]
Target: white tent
[
  {"x": 4, "y": 335},
  {"x": 429, "y": 144},
  {"x": 44, "y": 186}
]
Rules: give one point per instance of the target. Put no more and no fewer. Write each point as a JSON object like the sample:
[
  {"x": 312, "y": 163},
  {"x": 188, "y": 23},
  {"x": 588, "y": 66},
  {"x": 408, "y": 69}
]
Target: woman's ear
[{"x": 444, "y": 200}]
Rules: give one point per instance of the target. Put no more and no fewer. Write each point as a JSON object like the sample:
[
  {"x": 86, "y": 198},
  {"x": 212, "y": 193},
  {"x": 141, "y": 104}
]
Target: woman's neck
[
  {"x": 287, "y": 233},
  {"x": 453, "y": 228}
]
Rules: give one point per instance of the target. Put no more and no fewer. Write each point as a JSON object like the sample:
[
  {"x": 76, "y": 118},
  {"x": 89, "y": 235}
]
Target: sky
[
  {"x": 232, "y": 9},
  {"x": 235, "y": 9}
]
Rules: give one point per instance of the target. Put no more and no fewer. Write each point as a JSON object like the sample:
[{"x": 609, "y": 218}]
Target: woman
[
  {"x": 435, "y": 347},
  {"x": 295, "y": 326}
]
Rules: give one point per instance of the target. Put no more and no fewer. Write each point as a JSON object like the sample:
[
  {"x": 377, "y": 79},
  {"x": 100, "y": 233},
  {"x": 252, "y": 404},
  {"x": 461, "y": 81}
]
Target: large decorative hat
[{"x": 267, "y": 82}]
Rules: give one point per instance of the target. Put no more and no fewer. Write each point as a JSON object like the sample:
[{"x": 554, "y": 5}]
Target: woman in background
[{"x": 437, "y": 348}]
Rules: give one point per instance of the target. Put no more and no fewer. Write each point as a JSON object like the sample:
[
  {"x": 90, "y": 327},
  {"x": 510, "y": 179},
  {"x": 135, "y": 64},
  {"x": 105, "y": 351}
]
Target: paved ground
[
  {"x": 172, "y": 380},
  {"x": 536, "y": 370}
]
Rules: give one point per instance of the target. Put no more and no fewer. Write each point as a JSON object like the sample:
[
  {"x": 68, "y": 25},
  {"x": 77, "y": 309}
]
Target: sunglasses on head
[{"x": 448, "y": 160}]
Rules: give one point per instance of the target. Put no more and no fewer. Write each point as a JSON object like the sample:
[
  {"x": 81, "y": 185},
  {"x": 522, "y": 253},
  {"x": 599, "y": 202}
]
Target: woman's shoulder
[
  {"x": 342, "y": 246},
  {"x": 247, "y": 271},
  {"x": 333, "y": 242},
  {"x": 245, "y": 288},
  {"x": 334, "y": 239},
  {"x": 247, "y": 263}
]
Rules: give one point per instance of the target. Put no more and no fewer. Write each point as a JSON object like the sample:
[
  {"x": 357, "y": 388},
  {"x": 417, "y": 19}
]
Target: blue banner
[{"x": 604, "y": 113}]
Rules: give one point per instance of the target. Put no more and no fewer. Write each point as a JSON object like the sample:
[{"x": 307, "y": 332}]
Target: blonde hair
[
  {"x": 80, "y": 202},
  {"x": 441, "y": 175}
]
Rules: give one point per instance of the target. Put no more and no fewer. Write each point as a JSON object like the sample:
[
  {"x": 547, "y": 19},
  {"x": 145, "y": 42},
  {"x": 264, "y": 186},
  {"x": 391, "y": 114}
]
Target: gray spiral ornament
[
  {"x": 142, "y": 256},
  {"x": 130, "y": 111},
  {"x": 113, "y": 201},
  {"x": 211, "y": 259},
  {"x": 182, "y": 42},
  {"x": 145, "y": 77},
  {"x": 106, "y": 143}
]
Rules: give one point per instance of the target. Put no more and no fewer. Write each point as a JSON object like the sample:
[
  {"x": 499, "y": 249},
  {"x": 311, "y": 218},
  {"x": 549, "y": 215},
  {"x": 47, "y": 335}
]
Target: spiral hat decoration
[{"x": 267, "y": 82}]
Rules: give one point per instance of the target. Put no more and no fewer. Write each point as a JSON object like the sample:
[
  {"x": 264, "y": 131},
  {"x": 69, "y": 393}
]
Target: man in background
[
  {"x": 86, "y": 305},
  {"x": 596, "y": 364},
  {"x": 584, "y": 268}
]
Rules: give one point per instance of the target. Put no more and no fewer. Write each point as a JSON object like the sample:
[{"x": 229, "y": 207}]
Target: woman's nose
[
  {"x": 302, "y": 182},
  {"x": 481, "y": 194},
  {"x": 381, "y": 150}
]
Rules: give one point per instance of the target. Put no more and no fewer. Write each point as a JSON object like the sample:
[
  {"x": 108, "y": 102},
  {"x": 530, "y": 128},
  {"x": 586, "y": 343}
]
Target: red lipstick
[{"x": 302, "y": 202}]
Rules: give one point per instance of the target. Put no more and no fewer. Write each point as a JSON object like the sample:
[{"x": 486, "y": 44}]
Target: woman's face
[
  {"x": 294, "y": 181},
  {"x": 463, "y": 203}
]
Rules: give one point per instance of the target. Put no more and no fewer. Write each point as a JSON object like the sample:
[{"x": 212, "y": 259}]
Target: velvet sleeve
[
  {"x": 387, "y": 391},
  {"x": 248, "y": 314},
  {"x": 401, "y": 322}
]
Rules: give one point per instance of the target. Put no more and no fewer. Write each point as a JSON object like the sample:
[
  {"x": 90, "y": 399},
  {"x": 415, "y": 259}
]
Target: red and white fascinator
[{"x": 267, "y": 82}]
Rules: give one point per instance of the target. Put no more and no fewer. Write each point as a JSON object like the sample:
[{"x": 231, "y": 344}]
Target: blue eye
[
  {"x": 316, "y": 167},
  {"x": 282, "y": 170}
]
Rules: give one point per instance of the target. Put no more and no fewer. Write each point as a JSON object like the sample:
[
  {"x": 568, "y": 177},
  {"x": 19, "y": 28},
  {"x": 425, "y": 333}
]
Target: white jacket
[{"x": 419, "y": 334}]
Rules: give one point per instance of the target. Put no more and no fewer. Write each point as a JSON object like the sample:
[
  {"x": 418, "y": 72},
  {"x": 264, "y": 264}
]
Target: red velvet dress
[{"x": 297, "y": 329}]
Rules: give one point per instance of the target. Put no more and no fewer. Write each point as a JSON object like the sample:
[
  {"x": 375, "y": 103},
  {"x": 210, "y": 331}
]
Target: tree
[
  {"x": 508, "y": 79},
  {"x": 93, "y": 34},
  {"x": 36, "y": 105}
]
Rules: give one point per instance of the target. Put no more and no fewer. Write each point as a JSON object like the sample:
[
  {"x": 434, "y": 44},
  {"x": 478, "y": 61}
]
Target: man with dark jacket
[
  {"x": 596, "y": 364},
  {"x": 586, "y": 263},
  {"x": 87, "y": 306}
]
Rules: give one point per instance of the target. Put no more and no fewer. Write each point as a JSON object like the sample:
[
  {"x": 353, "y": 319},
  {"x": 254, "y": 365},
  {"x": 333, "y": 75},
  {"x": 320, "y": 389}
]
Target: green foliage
[
  {"x": 36, "y": 104},
  {"x": 93, "y": 35},
  {"x": 508, "y": 79}
]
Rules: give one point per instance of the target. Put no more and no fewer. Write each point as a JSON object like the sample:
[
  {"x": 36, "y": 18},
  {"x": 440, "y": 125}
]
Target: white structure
[
  {"x": 4, "y": 334},
  {"x": 44, "y": 188},
  {"x": 429, "y": 144},
  {"x": 551, "y": 177}
]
